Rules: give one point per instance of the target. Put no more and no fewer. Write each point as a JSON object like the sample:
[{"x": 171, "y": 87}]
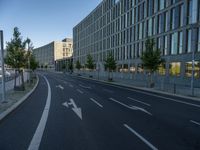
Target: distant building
[{"x": 48, "y": 54}]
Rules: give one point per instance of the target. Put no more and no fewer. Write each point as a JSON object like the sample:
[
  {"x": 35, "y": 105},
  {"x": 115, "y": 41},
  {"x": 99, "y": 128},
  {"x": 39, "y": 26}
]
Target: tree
[
  {"x": 16, "y": 56},
  {"x": 78, "y": 65},
  {"x": 110, "y": 65},
  {"x": 151, "y": 59},
  {"x": 70, "y": 66},
  {"x": 33, "y": 63},
  {"x": 90, "y": 63}
]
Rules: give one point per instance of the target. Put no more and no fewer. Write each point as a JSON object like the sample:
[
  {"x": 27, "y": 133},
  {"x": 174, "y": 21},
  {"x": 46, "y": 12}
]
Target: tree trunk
[
  {"x": 151, "y": 80},
  {"x": 22, "y": 78},
  {"x": 15, "y": 76}
]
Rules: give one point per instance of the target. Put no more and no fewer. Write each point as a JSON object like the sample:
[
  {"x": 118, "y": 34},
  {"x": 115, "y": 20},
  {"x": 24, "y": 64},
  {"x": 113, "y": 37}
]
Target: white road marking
[
  {"x": 197, "y": 123},
  {"x": 96, "y": 102},
  {"x": 131, "y": 107},
  {"x": 87, "y": 87},
  {"x": 71, "y": 86},
  {"x": 140, "y": 137},
  {"x": 80, "y": 91},
  {"x": 171, "y": 99},
  {"x": 65, "y": 104},
  {"x": 139, "y": 101},
  {"x": 61, "y": 87},
  {"x": 35, "y": 142},
  {"x": 75, "y": 108}
]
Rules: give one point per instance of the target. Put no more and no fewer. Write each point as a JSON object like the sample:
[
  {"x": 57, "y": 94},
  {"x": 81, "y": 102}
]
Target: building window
[
  {"x": 162, "y": 4},
  {"x": 180, "y": 42},
  {"x": 140, "y": 68},
  {"x": 189, "y": 40},
  {"x": 162, "y": 69},
  {"x": 165, "y": 45},
  {"x": 192, "y": 11},
  {"x": 173, "y": 18},
  {"x": 174, "y": 43},
  {"x": 166, "y": 20},
  {"x": 188, "y": 69},
  {"x": 181, "y": 14},
  {"x": 198, "y": 45},
  {"x": 175, "y": 68},
  {"x": 132, "y": 68}
]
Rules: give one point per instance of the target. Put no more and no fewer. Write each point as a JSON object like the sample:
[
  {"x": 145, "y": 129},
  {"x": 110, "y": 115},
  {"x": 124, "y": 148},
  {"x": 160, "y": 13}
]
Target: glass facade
[
  {"x": 175, "y": 68},
  {"x": 122, "y": 28},
  {"x": 188, "y": 69}
]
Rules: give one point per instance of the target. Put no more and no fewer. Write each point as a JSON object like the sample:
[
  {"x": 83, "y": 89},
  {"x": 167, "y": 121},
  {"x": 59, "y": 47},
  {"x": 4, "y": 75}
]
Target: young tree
[
  {"x": 70, "y": 66},
  {"x": 78, "y": 65},
  {"x": 16, "y": 56},
  {"x": 33, "y": 63},
  {"x": 151, "y": 59},
  {"x": 90, "y": 63},
  {"x": 110, "y": 65}
]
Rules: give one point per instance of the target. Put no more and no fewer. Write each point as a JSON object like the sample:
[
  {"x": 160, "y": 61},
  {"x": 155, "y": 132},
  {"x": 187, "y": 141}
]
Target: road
[{"x": 69, "y": 112}]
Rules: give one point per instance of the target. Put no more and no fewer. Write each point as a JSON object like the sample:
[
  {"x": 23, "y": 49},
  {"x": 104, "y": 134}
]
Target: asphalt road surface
[{"x": 71, "y": 113}]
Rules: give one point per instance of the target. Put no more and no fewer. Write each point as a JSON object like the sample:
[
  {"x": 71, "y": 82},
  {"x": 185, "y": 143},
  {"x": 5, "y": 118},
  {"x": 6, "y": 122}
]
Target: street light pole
[{"x": 2, "y": 67}]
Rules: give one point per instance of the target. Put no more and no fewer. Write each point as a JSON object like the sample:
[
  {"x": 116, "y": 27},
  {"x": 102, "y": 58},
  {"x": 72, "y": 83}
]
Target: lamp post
[
  {"x": 192, "y": 78},
  {"x": 2, "y": 67}
]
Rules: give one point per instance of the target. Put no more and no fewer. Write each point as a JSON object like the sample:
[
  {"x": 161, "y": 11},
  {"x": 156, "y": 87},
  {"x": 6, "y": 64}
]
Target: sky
[{"x": 43, "y": 21}]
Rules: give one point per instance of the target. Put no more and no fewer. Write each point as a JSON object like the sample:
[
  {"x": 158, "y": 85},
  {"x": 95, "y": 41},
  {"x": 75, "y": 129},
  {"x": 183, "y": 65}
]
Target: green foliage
[
  {"x": 90, "y": 62},
  {"x": 110, "y": 63},
  {"x": 151, "y": 58},
  {"x": 16, "y": 55},
  {"x": 78, "y": 65},
  {"x": 70, "y": 65},
  {"x": 33, "y": 63}
]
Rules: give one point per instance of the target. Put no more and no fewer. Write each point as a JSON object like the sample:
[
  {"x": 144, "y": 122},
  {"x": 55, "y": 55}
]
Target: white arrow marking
[
  {"x": 59, "y": 86},
  {"x": 75, "y": 108},
  {"x": 131, "y": 107},
  {"x": 65, "y": 104}
]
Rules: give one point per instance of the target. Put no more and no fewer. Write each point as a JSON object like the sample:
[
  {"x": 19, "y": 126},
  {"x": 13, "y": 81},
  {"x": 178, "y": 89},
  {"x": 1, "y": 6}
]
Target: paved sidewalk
[{"x": 14, "y": 97}]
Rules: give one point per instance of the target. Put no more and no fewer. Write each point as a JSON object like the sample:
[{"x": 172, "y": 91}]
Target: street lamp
[
  {"x": 193, "y": 67},
  {"x": 2, "y": 67}
]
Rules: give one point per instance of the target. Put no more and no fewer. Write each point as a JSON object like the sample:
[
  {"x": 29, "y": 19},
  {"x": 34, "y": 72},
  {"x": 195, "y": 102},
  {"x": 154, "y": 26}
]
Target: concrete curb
[
  {"x": 13, "y": 107},
  {"x": 144, "y": 89}
]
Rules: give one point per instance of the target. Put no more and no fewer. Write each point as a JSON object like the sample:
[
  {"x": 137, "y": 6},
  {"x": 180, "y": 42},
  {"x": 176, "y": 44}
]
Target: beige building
[{"x": 48, "y": 54}]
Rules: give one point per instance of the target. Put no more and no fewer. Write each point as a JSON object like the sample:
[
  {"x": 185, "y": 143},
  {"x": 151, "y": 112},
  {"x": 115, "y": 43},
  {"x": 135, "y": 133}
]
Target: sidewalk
[{"x": 15, "y": 98}]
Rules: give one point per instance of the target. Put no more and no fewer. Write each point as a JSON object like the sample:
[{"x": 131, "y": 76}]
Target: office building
[{"x": 121, "y": 27}]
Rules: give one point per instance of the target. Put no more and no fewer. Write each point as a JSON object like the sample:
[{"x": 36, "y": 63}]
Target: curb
[
  {"x": 144, "y": 89},
  {"x": 13, "y": 107}
]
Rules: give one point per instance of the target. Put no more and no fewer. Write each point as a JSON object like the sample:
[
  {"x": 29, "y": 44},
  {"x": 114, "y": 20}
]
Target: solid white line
[
  {"x": 197, "y": 123},
  {"x": 96, "y": 102},
  {"x": 80, "y": 91},
  {"x": 120, "y": 103},
  {"x": 35, "y": 142},
  {"x": 140, "y": 137},
  {"x": 138, "y": 101}
]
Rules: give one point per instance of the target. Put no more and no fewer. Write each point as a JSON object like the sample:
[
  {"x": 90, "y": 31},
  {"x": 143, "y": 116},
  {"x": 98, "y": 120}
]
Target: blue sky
[{"x": 43, "y": 21}]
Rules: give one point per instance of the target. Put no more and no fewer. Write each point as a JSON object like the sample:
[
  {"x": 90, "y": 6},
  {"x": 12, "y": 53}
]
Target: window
[
  {"x": 150, "y": 27},
  {"x": 192, "y": 11},
  {"x": 140, "y": 68},
  {"x": 181, "y": 14},
  {"x": 189, "y": 40},
  {"x": 132, "y": 68},
  {"x": 166, "y": 20},
  {"x": 162, "y": 69},
  {"x": 174, "y": 43},
  {"x": 165, "y": 45},
  {"x": 175, "y": 68},
  {"x": 162, "y": 4},
  {"x": 180, "y": 42},
  {"x": 188, "y": 69},
  {"x": 198, "y": 47},
  {"x": 173, "y": 18}
]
